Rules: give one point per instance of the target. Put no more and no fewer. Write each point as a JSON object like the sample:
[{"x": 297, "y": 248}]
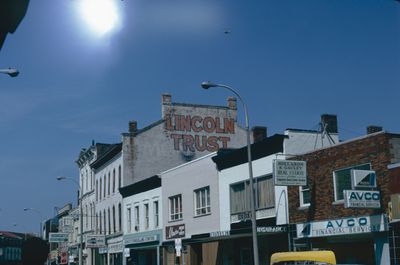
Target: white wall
[
  {"x": 184, "y": 180},
  {"x": 112, "y": 199},
  {"x": 140, "y": 200}
]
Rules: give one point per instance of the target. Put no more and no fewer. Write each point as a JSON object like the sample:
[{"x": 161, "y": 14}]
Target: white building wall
[
  {"x": 185, "y": 179},
  {"x": 109, "y": 200},
  {"x": 140, "y": 199},
  {"x": 297, "y": 142}
]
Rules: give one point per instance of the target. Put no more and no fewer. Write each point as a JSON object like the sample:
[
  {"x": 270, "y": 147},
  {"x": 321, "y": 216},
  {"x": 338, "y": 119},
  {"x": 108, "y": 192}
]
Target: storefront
[
  {"x": 143, "y": 248},
  {"x": 362, "y": 239},
  {"x": 115, "y": 249},
  {"x": 231, "y": 247}
]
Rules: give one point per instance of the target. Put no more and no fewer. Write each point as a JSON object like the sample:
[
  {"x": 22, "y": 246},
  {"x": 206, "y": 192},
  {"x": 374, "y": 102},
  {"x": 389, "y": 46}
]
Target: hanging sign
[
  {"x": 363, "y": 178},
  {"x": 290, "y": 173}
]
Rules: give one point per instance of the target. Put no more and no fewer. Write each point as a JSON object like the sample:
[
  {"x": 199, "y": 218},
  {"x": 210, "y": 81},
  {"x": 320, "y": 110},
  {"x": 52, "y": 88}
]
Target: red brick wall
[
  {"x": 394, "y": 186},
  {"x": 374, "y": 149}
]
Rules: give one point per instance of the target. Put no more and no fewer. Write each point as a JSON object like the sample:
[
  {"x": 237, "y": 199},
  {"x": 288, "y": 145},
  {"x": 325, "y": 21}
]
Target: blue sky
[{"x": 290, "y": 60}]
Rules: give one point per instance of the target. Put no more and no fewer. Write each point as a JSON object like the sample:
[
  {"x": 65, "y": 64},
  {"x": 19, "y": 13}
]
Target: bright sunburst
[{"x": 101, "y": 15}]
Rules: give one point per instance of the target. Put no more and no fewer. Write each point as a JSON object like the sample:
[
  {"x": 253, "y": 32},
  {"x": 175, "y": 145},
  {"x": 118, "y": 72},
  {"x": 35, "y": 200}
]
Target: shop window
[
  {"x": 146, "y": 216},
  {"x": 128, "y": 220},
  {"x": 342, "y": 179},
  {"x": 137, "y": 219},
  {"x": 175, "y": 208},
  {"x": 305, "y": 196},
  {"x": 156, "y": 214},
  {"x": 202, "y": 201}
]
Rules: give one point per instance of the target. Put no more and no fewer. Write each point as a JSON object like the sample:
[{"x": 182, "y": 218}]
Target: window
[
  {"x": 101, "y": 184},
  {"x": 105, "y": 181},
  {"x": 114, "y": 223},
  {"x": 109, "y": 221},
  {"x": 87, "y": 180},
  {"x": 202, "y": 201},
  {"x": 128, "y": 220},
  {"x": 119, "y": 177},
  {"x": 342, "y": 179},
  {"x": 119, "y": 218},
  {"x": 305, "y": 196},
  {"x": 86, "y": 217},
  {"x": 264, "y": 193},
  {"x": 137, "y": 218},
  {"x": 105, "y": 221},
  {"x": 156, "y": 214},
  {"x": 114, "y": 181},
  {"x": 109, "y": 183},
  {"x": 146, "y": 216},
  {"x": 97, "y": 190},
  {"x": 175, "y": 208},
  {"x": 101, "y": 228},
  {"x": 239, "y": 198}
]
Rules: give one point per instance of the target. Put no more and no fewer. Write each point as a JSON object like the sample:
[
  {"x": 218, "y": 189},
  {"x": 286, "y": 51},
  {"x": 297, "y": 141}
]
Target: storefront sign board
[
  {"x": 344, "y": 226},
  {"x": 175, "y": 231}
]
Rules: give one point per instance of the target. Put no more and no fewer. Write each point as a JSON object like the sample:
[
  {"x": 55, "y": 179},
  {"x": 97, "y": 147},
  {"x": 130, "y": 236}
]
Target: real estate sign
[{"x": 290, "y": 173}]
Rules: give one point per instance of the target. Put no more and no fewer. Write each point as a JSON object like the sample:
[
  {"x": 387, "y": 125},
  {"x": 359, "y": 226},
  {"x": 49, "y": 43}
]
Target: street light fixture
[
  {"x": 10, "y": 71},
  {"x": 60, "y": 178},
  {"x": 40, "y": 216},
  {"x": 207, "y": 85}
]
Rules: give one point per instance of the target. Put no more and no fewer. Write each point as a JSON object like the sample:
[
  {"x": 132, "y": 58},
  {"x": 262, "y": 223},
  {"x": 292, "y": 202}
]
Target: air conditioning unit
[{"x": 394, "y": 207}]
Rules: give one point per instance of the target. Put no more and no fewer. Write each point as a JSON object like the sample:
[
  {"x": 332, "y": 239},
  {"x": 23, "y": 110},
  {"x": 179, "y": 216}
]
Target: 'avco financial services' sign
[
  {"x": 345, "y": 226},
  {"x": 362, "y": 199},
  {"x": 290, "y": 173}
]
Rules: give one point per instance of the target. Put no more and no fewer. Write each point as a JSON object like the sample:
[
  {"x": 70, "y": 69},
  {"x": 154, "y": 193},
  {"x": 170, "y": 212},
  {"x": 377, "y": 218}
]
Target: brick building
[{"x": 326, "y": 217}]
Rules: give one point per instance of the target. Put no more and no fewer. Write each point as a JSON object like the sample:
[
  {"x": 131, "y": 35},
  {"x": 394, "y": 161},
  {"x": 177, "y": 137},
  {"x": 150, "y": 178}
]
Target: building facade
[
  {"x": 338, "y": 209},
  {"x": 142, "y": 225}
]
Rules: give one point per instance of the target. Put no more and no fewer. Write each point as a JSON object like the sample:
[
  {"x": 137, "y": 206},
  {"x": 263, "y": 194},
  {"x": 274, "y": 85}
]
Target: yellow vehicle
[{"x": 321, "y": 257}]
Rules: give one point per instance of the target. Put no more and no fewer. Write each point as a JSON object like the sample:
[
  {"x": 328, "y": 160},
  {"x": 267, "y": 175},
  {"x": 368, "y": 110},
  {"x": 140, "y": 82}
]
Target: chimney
[
  {"x": 331, "y": 122},
  {"x": 132, "y": 126},
  {"x": 374, "y": 129},
  {"x": 259, "y": 133},
  {"x": 232, "y": 103},
  {"x": 166, "y": 98}
]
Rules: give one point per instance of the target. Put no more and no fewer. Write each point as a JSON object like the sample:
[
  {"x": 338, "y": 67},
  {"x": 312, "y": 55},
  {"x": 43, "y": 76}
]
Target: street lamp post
[
  {"x": 10, "y": 71},
  {"x": 41, "y": 219},
  {"x": 207, "y": 85},
  {"x": 80, "y": 216}
]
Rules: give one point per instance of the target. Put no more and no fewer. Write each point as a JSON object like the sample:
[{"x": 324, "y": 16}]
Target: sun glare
[{"x": 100, "y": 15}]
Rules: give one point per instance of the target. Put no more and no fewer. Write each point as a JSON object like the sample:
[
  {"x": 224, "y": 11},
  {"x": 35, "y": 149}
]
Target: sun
[{"x": 102, "y": 16}]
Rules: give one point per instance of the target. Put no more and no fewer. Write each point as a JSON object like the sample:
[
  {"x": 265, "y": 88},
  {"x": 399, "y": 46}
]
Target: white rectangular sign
[
  {"x": 95, "y": 241},
  {"x": 362, "y": 199},
  {"x": 290, "y": 173},
  {"x": 345, "y": 226},
  {"x": 58, "y": 237},
  {"x": 363, "y": 178}
]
